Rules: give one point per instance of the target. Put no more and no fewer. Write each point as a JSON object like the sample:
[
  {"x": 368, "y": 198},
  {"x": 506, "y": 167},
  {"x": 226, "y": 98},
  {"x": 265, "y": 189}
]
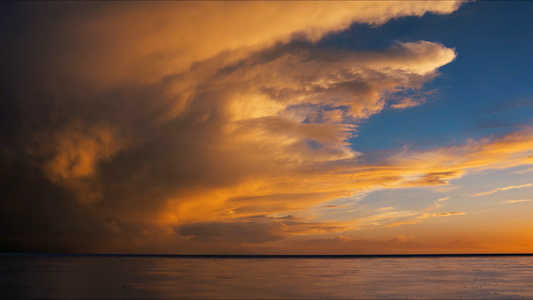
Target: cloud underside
[{"x": 160, "y": 123}]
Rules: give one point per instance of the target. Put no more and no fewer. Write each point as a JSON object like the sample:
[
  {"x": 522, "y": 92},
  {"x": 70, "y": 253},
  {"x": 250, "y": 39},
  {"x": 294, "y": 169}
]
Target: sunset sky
[{"x": 346, "y": 127}]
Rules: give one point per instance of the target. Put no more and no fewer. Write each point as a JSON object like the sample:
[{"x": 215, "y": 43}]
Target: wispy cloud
[
  {"x": 443, "y": 199},
  {"x": 438, "y": 203},
  {"x": 517, "y": 201},
  {"x": 529, "y": 170},
  {"x": 503, "y": 189},
  {"x": 445, "y": 214},
  {"x": 422, "y": 217},
  {"x": 389, "y": 216}
]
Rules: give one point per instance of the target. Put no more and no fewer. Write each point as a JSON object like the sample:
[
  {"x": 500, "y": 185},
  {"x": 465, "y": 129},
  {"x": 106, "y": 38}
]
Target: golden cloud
[
  {"x": 74, "y": 154},
  {"x": 152, "y": 40}
]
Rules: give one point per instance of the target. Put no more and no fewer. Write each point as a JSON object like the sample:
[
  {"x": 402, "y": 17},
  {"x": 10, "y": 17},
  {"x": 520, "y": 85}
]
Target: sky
[{"x": 305, "y": 127}]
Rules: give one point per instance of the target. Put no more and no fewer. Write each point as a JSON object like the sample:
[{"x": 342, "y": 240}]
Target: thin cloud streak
[
  {"x": 517, "y": 201},
  {"x": 529, "y": 170},
  {"x": 503, "y": 189}
]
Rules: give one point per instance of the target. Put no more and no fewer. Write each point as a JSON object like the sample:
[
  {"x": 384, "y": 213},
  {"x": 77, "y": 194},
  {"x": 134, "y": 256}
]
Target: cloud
[
  {"x": 258, "y": 229},
  {"x": 335, "y": 206},
  {"x": 435, "y": 178},
  {"x": 438, "y": 203},
  {"x": 247, "y": 130},
  {"x": 528, "y": 170},
  {"x": 445, "y": 214},
  {"x": 249, "y": 232},
  {"x": 110, "y": 41},
  {"x": 503, "y": 189},
  {"x": 387, "y": 217},
  {"x": 150, "y": 115},
  {"x": 75, "y": 153},
  {"x": 517, "y": 201},
  {"x": 421, "y": 217}
]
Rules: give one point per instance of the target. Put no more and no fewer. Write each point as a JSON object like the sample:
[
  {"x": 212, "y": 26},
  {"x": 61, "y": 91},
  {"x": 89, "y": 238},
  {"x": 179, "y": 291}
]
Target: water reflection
[{"x": 166, "y": 277}]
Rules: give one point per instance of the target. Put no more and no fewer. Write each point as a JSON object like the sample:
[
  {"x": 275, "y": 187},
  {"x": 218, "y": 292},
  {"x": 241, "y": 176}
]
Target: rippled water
[{"x": 271, "y": 278}]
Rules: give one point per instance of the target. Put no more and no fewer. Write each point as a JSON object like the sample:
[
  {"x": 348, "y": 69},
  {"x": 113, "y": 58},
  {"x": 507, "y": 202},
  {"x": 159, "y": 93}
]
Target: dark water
[{"x": 32, "y": 276}]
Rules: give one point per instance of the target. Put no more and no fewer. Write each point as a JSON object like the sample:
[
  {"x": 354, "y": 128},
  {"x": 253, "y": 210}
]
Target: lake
[{"x": 94, "y": 276}]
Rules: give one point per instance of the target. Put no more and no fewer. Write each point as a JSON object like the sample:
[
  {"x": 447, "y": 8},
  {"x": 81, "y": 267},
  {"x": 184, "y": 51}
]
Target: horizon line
[{"x": 264, "y": 256}]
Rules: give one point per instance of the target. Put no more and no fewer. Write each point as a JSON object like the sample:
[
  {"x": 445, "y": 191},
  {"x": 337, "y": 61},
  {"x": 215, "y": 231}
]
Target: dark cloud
[
  {"x": 247, "y": 232},
  {"x": 255, "y": 229},
  {"x": 37, "y": 215}
]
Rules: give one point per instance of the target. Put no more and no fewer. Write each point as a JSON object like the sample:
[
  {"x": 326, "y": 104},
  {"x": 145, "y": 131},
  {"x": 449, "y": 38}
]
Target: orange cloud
[
  {"x": 256, "y": 229},
  {"x": 268, "y": 116},
  {"x": 152, "y": 40},
  {"x": 388, "y": 219},
  {"x": 221, "y": 111},
  {"x": 445, "y": 214},
  {"x": 325, "y": 181},
  {"x": 75, "y": 153},
  {"x": 196, "y": 124}
]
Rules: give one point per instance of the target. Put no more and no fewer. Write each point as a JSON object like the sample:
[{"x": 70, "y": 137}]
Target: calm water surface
[{"x": 268, "y": 278}]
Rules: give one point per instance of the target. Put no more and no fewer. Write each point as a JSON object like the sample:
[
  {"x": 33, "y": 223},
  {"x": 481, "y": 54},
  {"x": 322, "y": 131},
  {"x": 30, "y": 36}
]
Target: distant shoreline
[{"x": 258, "y": 256}]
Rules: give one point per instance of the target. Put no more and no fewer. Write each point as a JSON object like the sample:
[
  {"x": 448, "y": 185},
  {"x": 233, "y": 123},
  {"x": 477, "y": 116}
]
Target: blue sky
[{"x": 486, "y": 90}]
